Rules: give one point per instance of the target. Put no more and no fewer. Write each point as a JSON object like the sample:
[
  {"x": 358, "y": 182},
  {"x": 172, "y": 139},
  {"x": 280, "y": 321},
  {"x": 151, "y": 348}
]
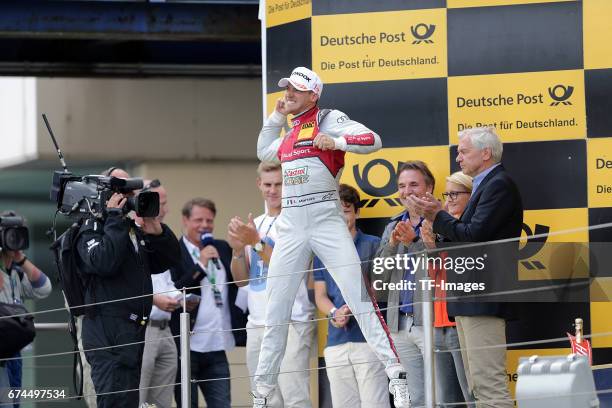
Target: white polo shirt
[
  {"x": 211, "y": 319},
  {"x": 303, "y": 309}
]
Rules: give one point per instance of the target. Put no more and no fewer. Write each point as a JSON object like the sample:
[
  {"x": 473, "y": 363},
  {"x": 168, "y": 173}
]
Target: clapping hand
[
  {"x": 429, "y": 238},
  {"x": 427, "y": 206},
  {"x": 241, "y": 234},
  {"x": 403, "y": 232}
]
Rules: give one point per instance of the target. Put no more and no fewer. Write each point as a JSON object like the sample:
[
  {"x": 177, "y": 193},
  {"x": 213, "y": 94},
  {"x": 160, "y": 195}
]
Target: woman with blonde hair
[{"x": 456, "y": 195}]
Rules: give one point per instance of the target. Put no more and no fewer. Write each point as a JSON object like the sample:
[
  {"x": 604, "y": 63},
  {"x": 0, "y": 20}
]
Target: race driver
[{"x": 312, "y": 158}]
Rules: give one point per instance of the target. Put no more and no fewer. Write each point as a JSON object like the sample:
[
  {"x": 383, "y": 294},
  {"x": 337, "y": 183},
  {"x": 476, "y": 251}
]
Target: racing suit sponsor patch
[
  {"x": 303, "y": 143},
  {"x": 298, "y": 175},
  {"x": 306, "y": 131}
]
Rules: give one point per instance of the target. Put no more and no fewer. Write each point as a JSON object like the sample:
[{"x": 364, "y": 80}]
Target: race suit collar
[{"x": 305, "y": 113}]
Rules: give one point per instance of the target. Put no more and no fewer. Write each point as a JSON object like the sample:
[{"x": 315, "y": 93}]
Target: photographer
[
  {"x": 116, "y": 258},
  {"x": 19, "y": 279}
]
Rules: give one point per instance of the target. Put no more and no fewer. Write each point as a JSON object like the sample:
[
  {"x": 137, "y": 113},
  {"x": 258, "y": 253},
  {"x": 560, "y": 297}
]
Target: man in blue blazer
[
  {"x": 494, "y": 212},
  {"x": 205, "y": 265}
]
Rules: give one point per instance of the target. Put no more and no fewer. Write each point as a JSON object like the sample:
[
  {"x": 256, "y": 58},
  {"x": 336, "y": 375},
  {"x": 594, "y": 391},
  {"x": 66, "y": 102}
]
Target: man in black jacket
[
  {"x": 207, "y": 263},
  {"x": 494, "y": 212},
  {"x": 117, "y": 257}
]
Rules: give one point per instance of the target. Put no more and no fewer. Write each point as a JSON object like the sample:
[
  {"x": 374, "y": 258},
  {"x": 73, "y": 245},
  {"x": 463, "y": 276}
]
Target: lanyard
[
  {"x": 13, "y": 285},
  {"x": 269, "y": 226},
  {"x": 211, "y": 270}
]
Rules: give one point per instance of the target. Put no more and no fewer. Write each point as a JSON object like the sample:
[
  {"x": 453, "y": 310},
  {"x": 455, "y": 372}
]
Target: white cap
[{"x": 303, "y": 79}]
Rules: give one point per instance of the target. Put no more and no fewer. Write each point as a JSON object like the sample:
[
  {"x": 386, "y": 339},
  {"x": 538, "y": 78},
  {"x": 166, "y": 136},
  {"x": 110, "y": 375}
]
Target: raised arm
[
  {"x": 349, "y": 135},
  {"x": 269, "y": 137},
  {"x": 103, "y": 247}
]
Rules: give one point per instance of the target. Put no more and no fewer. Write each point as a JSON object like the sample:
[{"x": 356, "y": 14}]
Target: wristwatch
[
  {"x": 331, "y": 313},
  {"x": 20, "y": 263}
]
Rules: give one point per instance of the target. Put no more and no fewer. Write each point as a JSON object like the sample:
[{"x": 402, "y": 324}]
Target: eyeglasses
[{"x": 452, "y": 195}]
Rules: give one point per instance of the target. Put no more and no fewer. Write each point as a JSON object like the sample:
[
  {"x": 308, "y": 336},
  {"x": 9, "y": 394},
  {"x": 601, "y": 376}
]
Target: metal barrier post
[
  {"x": 185, "y": 357},
  {"x": 428, "y": 347}
]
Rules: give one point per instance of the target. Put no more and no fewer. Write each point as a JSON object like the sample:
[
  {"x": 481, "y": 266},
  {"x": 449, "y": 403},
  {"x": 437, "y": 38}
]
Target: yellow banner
[
  {"x": 523, "y": 107},
  {"x": 600, "y": 315},
  {"x": 599, "y": 172},
  {"x": 558, "y": 256},
  {"x": 597, "y": 33},
  {"x": 483, "y": 3},
  {"x": 375, "y": 176},
  {"x": 285, "y": 11},
  {"x": 601, "y": 289},
  {"x": 379, "y": 46}
]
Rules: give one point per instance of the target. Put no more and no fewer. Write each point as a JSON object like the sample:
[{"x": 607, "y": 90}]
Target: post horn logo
[
  {"x": 567, "y": 92},
  {"x": 533, "y": 246},
  {"x": 422, "y": 37},
  {"x": 389, "y": 189}
]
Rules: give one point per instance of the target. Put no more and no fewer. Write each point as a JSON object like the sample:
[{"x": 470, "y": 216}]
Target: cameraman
[
  {"x": 19, "y": 279},
  {"x": 116, "y": 258}
]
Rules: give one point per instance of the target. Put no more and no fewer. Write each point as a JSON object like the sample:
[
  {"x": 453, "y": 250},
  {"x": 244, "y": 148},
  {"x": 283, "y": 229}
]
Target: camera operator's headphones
[{"x": 108, "y": 171}]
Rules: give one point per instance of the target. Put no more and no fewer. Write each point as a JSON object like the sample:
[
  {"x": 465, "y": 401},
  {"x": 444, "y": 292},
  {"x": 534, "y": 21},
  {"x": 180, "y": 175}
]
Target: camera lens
[
  {"x": 148, "y": 204},
  {"x": 16, "y": 238}
]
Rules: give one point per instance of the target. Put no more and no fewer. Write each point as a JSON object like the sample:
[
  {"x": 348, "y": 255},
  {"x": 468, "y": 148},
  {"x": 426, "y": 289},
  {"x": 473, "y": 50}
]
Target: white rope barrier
[
  {"x": 461, "y": 246},
  {"x": 196, "y": 381},
  {"x": 312, "y": 321}
]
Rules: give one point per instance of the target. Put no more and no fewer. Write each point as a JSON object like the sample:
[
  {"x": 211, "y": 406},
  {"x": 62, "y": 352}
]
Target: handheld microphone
[{"x": 207, "y": 239}]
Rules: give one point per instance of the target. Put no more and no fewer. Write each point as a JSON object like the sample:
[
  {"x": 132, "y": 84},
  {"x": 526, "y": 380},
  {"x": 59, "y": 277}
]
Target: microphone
[{"x": 207, "y": 239}]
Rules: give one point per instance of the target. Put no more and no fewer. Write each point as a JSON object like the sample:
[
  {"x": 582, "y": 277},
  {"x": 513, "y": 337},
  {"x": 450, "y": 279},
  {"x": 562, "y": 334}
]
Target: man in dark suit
[
  {"x": 207, "y": 263},
  {"x": 494, "y": 212}
]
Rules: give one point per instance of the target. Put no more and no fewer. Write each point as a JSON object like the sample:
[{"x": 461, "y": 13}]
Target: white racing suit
[{"x": 310, "y": 222}]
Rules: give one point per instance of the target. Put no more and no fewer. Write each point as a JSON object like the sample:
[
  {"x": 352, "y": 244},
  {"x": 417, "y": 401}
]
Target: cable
[
  {"x": 64, "y": 353},
  {"x": 312, "y": 321},
  {"x": 462, "y": 246},
  {"x": 319, "y": 319},
  {"x": 524, "y": 343},
  {"x": 68, "y": 308},
  {"x": 453, "y": 404},
  {"x": 204, "y": 380},
  {"x": 171, "y": 337},
  {"x": 470, "y": 245},
  {"x": 196, "y": 381},
  {"x": 287, "y": 372},
  {"x": 513, "y": 291}
]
